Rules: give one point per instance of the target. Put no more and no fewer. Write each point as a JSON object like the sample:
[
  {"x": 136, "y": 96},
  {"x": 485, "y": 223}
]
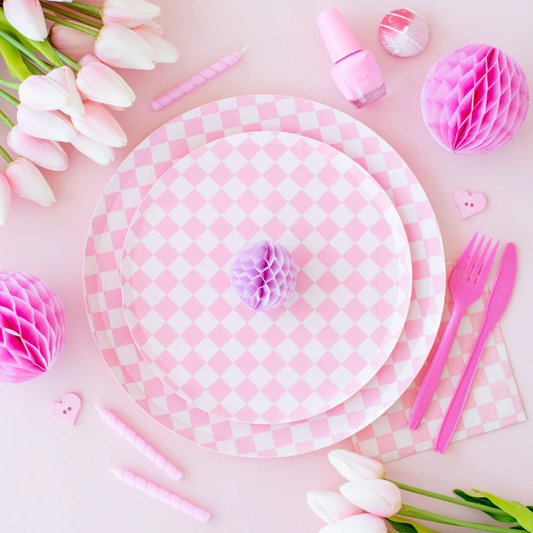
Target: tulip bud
[
  {"x": 27, "y": 17},
  {"x": 27, "y": 181},
  {"x": 363, "y": 523},
  {"x": 5, "y": 200},
  {"x": 355, "y": 467},
  {"x": 43, "y": 94},
  {"x": 122, "y": 48},
  {"x": 331, "y": 506},
  {"x": 66, "y": 79},
  {"x": 98, "y": 152},
  {"x": 46, "y": 154},
  {"x": 128, "y": 13},
  {"x": 166, "y": 52},
  {"x": 100, "y": 83},
  {"x": 71, "y": 42},
  {"x": 376, "y": 496},
  {"x": 50, "y": 125},
  {"x": 153, "y": 26},
  {"x": 100, "y": 125}
]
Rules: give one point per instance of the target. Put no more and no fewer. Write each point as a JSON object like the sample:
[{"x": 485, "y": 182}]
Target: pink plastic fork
[{"x": 467, "y": 282}]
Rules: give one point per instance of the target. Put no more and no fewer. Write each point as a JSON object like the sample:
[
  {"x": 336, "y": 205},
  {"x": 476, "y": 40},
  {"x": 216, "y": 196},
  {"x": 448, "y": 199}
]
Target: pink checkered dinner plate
[
  {"x": 134, "y": 179},
  {"x": 339, "y": 325}
]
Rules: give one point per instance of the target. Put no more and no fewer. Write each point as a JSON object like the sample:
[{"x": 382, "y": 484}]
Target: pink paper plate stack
[{"x": 475, "y": 99}]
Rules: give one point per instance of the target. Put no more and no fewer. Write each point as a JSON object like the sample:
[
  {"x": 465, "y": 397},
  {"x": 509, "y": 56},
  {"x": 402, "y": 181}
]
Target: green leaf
[
  {"x": 523, "y": 515},
  {"x": 403, "y": 525},
  {"x": 44, "y": 47},
  {"x": 14, "y": 61},
  {"x": 485, "y": 501}
]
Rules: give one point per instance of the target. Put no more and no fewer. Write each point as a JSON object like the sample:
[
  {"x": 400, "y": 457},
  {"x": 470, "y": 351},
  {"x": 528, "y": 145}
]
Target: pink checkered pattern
[
  {"x": 340, "y": 324},
  {"x": 493, "y": 403},
  {"x": 148, "y": 162}
]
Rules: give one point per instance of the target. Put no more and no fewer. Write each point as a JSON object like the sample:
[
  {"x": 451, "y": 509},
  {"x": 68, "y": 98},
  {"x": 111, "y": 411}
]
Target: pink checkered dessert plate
[
  {"x": 133, "y": 180},
  {"x": 340, "y": 324}
]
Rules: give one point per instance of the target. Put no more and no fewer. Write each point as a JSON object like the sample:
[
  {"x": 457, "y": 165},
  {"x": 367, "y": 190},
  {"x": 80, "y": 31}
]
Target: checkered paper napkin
[{"x": 493, "y": 402}]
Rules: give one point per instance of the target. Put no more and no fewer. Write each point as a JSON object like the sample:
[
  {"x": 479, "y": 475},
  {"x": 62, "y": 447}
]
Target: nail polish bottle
[{"x": 355, "y": 71}]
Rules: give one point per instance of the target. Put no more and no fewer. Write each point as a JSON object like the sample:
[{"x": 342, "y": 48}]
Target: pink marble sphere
[{"x": 404, "y": 33}]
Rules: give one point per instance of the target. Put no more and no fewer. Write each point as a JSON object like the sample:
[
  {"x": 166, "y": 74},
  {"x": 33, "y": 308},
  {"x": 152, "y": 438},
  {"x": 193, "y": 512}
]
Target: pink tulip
[
  {"x": 43, "y": 94},
  {"x": 100, "y": 125},
  {"x": 376, "y": 496},
  {"x": 363, "y": 523},
  {"x": 73, "y": 43},
  {"x": 27, "y": 17},
  {"x": 100, "y": 83},
  {"x": 98, "y": 152},
  {"x": 50, "y": 125},
  {"x": 122, "y": 48},
  {"x": 355, "y": 467},
  {"x": 46, "y": 154},
  {"x": 27, "y": 181},
  {"x": 66, "y": 79},
  {"x": 166, "y": 52},
  {"x": 128, "y": 13},
  {"x": 331, "y": 506},
  {"x": 5, "y": 200}
]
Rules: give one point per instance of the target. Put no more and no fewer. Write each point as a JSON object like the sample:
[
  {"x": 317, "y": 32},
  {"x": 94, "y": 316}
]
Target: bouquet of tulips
[
  {"x": 369, "y": 502},
  {"x": 62, "y": 54}
]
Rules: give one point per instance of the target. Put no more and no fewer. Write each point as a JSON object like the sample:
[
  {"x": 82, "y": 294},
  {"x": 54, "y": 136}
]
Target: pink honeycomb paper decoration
[
  {"x": 475, "y": 99},
  {"x": 32, "y": 327},
  {"x": 263, "y": 275}
]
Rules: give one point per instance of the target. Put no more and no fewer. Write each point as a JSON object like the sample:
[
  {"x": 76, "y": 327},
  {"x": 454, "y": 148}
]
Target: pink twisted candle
[
  {"x": 197, "y": 80},
  {"x": 140, "y": 444},
  {"x": 161, "y": 494}
]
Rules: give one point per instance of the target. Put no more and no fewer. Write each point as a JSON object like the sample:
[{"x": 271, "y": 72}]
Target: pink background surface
[{"x": 53, "y": 477}]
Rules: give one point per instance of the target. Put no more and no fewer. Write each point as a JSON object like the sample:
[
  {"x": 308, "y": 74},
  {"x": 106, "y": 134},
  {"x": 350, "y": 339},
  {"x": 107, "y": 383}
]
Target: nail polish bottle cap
[{"x": 339, "y": 38}]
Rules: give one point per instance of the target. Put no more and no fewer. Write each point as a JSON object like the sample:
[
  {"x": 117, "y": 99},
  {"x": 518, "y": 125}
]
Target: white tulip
[
  {"x": 50, "y": 125},
  {"x": 331, "y": 506},
  {"x": 355, "y": 467}
]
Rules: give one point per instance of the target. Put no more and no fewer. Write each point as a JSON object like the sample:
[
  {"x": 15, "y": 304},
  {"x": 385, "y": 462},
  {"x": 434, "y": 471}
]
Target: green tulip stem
[
  {"x": 9, "y": 98},
  {"x": 72, "y": 16},
  {"x": 450, "y": 499},
  {"x": 10, "y": 84},
  {"x": 25, "y": 51},
  {"x": 84, "y": 8},
  {"x": 70, "y": 24},
  {"x": 34, "y": 69},
  {"x": 68, "y": 61},
  {"x": 5, "y": 119},
  {"x": 413, "y": 512},
  {"x": 5, "y": 155}
]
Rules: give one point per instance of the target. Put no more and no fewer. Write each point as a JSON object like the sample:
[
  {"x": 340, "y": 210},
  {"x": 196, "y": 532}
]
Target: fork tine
[
  {"x": 473, "y": 259},
  {"x": 476, "y": 271},
  {"x": 484, "y": 274},
  {"x": 459, "y": 267}
]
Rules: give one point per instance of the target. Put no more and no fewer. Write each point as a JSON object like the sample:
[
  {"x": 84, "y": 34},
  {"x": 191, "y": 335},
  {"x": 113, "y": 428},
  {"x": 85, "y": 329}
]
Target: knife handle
[{"x": 455, "y": 409}]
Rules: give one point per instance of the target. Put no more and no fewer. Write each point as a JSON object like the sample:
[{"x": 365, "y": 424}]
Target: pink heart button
[
  {"x": 67, "y": 409},
  {"x": 469, "y": 204}
]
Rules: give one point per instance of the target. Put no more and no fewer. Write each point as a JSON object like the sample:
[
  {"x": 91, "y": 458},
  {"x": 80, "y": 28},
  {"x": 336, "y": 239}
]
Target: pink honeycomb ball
[{"x": 403, "y": 33}]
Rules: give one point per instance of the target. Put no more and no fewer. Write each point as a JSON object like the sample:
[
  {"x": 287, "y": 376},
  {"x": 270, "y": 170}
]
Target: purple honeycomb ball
[{"x": 263, "y": 275}]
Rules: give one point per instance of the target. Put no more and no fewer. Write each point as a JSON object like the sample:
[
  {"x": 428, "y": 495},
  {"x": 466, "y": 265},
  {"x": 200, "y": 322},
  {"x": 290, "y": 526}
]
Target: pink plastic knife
[{"x": 498, "y": 300}]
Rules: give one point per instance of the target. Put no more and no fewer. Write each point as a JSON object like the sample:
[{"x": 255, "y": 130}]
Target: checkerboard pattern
[
  {"x": 340, "y": 324},
  {"x": 148, "y": 162},
  {"x": 493, "y": 403}
]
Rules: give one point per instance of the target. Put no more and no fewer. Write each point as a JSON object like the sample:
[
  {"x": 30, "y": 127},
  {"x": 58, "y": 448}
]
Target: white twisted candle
[
  {"x": 197, "y": 80},
  {"x": 140, "y": 444},
  {"x": 161, "y": 494}
]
